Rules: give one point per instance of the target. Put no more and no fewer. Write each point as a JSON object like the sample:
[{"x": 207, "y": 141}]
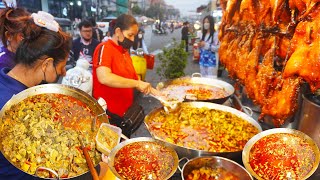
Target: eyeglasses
[{"x": 86, "y": 31}]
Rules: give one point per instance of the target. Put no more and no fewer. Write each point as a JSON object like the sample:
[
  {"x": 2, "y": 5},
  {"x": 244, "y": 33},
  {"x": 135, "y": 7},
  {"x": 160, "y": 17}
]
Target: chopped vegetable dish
[
  {"x": 202, "y": 129},
  {"x": 42, "y": 130}
]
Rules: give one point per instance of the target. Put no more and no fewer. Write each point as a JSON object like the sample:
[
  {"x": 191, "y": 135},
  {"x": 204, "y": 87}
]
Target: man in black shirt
[
  {"x": 184, "y": 33},
  {"x": 84, "y": 46}
]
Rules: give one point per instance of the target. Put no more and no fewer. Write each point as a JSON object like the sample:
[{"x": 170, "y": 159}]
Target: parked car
[{"x": 104, "y": 23}]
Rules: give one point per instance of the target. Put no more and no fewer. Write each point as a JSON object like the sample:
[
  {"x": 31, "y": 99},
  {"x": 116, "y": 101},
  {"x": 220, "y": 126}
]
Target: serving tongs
[{"x": 93, "y": 171}]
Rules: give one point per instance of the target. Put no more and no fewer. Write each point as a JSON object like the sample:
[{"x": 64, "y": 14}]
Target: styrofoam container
[{"x": 100, "y": 146}]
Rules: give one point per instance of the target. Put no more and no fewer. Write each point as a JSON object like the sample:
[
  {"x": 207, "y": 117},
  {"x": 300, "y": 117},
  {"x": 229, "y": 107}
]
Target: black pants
[{"x": 186, "y": 42}]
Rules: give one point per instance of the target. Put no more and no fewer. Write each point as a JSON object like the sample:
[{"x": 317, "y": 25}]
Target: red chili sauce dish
[
  {"x": 144, "y": 160},
  {"x": 282, "y": 156}
]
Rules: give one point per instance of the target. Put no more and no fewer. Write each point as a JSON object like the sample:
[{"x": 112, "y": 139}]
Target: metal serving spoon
[{"x": 168, "y": 106}]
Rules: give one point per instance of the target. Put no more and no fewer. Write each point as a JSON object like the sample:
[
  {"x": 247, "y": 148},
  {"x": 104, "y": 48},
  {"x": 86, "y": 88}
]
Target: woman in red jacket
[{"x": 114, "y": 77}]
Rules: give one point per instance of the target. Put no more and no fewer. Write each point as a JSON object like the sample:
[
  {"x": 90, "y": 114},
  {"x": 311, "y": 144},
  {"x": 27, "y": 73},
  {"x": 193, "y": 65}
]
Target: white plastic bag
[{"x": 80, "y": 77}]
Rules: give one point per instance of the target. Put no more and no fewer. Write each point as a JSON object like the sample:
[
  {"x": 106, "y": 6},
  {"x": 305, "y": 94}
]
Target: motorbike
[
  {"x": 158, "y": 32},
  {"x": 171, "y": 28},
  {"x": 142, "y": 62}
]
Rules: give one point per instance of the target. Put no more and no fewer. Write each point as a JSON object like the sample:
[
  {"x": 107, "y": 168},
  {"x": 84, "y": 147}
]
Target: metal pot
[
  {"x": 253, "y": 140},
  {"x": 309, "y": 121},
  {"x": 91, "y": 103},
  {"x": 115, "y": 150},
  {"x": 191, "y": 153},
  {"x": 215, "y": 162},
  {"x": 202, "y": 81}
]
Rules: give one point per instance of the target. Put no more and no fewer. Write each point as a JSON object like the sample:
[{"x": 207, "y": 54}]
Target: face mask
[
  {"x": 206, "y": 26},
  {"x": 126, "y": 43},
  {"x": 140, "y": 36},
  {"x": 44, "y": 81}
]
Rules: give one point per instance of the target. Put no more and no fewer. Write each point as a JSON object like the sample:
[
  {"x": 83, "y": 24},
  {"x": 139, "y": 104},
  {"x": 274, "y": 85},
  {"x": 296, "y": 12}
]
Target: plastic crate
[{"x": 100, "y": 147}]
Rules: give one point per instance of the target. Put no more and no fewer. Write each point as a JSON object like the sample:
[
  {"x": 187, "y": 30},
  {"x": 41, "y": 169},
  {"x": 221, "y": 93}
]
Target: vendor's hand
[
  {"x": 156, "y": 92},
  {"x": 202, "y": 44},
  {"x": 104, "y": 158},
  {"x": 144, "y": 87}
]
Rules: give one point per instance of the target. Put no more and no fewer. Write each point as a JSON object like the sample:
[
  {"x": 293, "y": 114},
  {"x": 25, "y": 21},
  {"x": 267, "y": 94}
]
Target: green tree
[
  {"x": 136, "y": 10},
  {"x": 155, "y": 11},
  {"x": 173, "y": 61}
]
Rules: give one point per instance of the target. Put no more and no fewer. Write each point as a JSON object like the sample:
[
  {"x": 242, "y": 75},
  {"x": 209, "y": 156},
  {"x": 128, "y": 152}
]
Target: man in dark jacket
[
  {"x": 97, "y": 33},
  {"x": 185, "y": 32},
  {"x": 84, "y": 46}
]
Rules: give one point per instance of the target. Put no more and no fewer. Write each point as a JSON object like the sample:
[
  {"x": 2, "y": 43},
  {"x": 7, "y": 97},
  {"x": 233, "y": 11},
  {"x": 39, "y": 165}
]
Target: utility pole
[
  {"x": 144, "y": 7},
  {"x": 98, "y": 9},
  {"x": 129, "y": 7}
]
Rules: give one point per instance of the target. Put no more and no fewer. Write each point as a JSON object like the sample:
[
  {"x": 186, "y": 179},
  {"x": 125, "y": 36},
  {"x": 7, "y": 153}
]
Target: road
[{"x": 156, "y": 42}]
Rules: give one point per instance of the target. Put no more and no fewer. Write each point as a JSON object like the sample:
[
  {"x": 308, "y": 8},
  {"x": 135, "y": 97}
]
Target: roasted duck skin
[
  {"x": 305, "y": 59},
  {"x": 272, "y": 47}
]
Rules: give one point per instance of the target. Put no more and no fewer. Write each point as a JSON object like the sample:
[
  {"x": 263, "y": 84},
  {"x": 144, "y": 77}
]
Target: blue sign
[{"x": 2, "y": 5}]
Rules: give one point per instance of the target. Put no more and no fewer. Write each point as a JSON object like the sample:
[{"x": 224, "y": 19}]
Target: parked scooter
[{"x": 142, "y": 62}]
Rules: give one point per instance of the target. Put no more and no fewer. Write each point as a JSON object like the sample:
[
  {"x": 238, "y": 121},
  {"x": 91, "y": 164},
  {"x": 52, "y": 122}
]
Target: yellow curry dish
[
  {"x": 202, "y": 129},
  {"x": 43, "y": 131}
]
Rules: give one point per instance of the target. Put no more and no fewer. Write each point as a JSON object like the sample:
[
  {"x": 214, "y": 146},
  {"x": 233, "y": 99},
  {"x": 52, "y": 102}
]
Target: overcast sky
[{"x": 185, "y": 6}]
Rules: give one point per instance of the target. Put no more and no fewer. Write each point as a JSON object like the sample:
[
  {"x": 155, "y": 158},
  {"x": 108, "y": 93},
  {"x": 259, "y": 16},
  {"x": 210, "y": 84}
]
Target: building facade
[{"x": 77, "y": 8}]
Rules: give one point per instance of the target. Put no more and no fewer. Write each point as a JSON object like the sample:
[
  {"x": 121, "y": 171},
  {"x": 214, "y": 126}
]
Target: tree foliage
[
  {"x": 173, "y": 61},
  {"x": 155, "y": 11},
  {"x": 136, "y": 10}
]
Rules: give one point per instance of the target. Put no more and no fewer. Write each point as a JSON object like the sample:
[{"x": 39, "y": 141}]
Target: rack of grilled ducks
[{"x": 271, "y": 47}]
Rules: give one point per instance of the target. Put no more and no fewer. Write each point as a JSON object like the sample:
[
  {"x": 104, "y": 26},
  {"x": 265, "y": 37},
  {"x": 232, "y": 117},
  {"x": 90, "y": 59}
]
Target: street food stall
[
  {"x": 269, "y": 48},
  {"x": 197, "y": 139},
  {"x": 203, "y": 137}
]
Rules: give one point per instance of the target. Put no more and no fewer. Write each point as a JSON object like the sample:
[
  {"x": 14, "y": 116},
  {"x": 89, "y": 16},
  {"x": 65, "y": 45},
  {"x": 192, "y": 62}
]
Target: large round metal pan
[
  {"x": 254, "y": 139},
  {"x": 202, "y": 81},
  {"x": 191, "y": 153},
  {"x": 215, "y": 162},
  {"x": 55, "y": 89},
  {"x": 141, "y": 139}
]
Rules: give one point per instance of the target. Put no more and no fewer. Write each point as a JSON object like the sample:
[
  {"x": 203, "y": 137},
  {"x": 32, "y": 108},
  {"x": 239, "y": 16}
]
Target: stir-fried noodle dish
[{"x": 44, "y": 130}]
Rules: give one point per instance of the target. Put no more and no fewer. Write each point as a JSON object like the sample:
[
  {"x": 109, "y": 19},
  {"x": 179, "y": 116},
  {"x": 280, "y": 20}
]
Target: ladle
[
  {"x": 93, "y": 171},
  {"x": 168, "y": 106}
]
